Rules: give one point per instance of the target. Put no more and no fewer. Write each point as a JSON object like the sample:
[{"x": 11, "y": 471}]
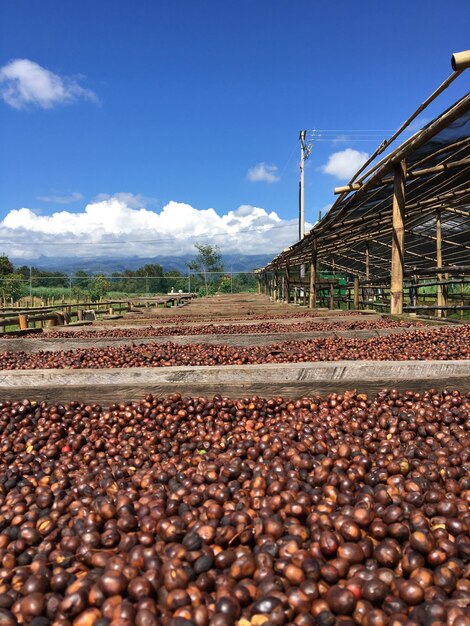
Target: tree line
[{"x": 206, "y": 275}]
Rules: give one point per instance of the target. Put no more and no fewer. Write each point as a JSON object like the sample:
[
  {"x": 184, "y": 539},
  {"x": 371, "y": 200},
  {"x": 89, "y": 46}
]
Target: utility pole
[{"x": 305, "y": 150}]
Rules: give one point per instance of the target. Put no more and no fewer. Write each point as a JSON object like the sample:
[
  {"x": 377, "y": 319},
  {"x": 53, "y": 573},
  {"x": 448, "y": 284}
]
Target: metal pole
[
  {"x": 303, "y": 155},
  {"x": 301, "y": 186},
  {"x": 312, "y": 296}
]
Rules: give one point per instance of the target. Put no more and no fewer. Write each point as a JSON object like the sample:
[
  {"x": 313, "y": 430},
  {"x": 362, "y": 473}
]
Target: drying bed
[
  {"x": 346, "y": 509},
  {"x": 230, "y": 329},
  {"x": 441, "y": 343}
]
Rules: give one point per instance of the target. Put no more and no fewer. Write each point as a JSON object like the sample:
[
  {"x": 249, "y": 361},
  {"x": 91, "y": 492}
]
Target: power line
[{"x": 352, "y": 130}]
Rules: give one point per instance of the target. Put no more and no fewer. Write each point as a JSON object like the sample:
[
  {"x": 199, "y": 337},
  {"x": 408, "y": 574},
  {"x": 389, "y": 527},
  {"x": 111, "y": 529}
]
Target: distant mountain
[{"x": 232, "y": 262}]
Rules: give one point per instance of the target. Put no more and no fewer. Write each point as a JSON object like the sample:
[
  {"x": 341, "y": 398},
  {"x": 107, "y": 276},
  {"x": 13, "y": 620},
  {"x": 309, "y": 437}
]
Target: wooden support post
[
  {"x": 259, "y": 284},
  {"x": 276, "y": 286},
  {"x": 287, "y": 282},
  {"x": 265, "y": 281},
  {"x": 398, "y": 240},
  {"x": 356, "y": 292},
  {"x": 439, "y": 288},
  {"x": 23, "y": 321},
  {"x": 462, "y": 296},
  {"x": 295, "y": 295},
  {"x": 332, "y": 296},
  {"x": 312, "y": 295},
  {"x": 365, "y": 292}
]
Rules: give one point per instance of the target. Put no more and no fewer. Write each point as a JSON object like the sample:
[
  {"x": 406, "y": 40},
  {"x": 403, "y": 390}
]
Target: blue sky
[{"x": 175, "y": 101}]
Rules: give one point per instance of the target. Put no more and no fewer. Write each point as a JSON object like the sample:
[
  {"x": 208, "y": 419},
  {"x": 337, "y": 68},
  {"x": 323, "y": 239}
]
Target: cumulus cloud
[
  {"x": 25, "y": 83},
  {"x": 345, "y": 163},
  {"x": 62, "y": 199},
  {"x": 111, "y": 227},
  {"x": 263, "y": 173}
]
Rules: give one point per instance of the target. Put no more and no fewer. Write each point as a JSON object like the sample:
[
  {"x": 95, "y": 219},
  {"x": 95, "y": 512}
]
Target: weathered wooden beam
[
  {"x": 398, "y": 240},
  {"x": 356, "y": 292}
]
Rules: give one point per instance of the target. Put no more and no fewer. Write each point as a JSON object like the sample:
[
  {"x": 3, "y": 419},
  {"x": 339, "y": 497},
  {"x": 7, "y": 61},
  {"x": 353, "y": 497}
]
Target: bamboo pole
[
  {"x": 312, "y": 295},
  {"x": 411, "y": 174},
  {"x": 462, "y": 295},
  {"x": 287, "y": 283},
  {"x": 365, "y": 293},
  {"x": 439, "y": 289},
  {"x": 398, "y": 240}
]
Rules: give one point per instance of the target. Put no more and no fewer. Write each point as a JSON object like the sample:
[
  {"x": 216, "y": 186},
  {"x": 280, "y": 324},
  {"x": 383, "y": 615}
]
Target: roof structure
[{"x": 356, "y": 234}]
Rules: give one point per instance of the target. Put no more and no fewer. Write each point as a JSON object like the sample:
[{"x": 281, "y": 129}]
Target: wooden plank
[{"x": 289, "y": 380}]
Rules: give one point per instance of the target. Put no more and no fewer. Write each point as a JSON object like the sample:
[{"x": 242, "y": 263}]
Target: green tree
[
  {"x": 12, "y": 287},
  {"x": 6, "y": 266},
  {"x": 174, "y": 280},
  {"x": 99, "y": 287},
  {"x": 41, "y": 278},
  {"x": 152, "y": 274},
  {"x": 81, "y": 279},
  {"x": 207, "y": 260},
  {"x": 77, "y": 293}
]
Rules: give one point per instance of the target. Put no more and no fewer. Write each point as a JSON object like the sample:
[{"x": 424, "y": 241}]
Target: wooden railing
[{"x": 26, "y": 318}]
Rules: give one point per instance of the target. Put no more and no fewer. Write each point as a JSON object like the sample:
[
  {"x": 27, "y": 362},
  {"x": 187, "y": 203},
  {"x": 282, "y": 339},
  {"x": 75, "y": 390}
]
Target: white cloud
[
  {"x": 344, "y": 164},
  {"x": 263, "y": 173},
  {"x": 25, "y": 83},
  {"x": 62, "y": 199},
  {"x": 141, "y": 232},
  {"x": 419, "y": 123}
]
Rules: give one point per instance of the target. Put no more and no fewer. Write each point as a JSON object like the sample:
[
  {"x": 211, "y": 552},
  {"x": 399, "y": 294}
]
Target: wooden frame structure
[{"x": 407, "y": 217}]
